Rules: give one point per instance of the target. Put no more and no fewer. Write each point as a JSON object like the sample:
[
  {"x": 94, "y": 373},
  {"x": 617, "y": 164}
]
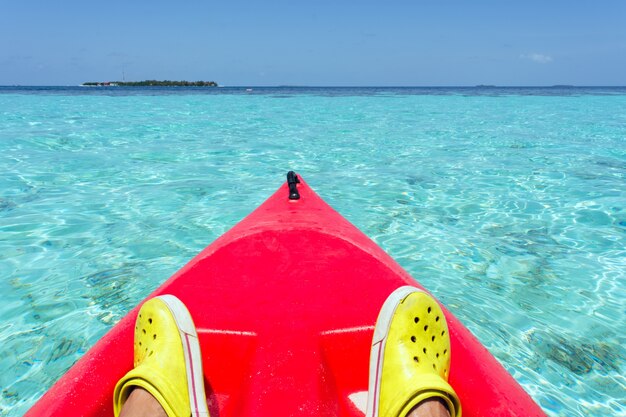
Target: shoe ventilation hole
[
  {"x": 416, "y": 359},
  {"x": 443, "y": 332},
  {"x": 429, "y": 309},
  {"x": 426, "y": 327},
  {"x": 416, "y": 319},
  {"x": 154, "y": 337},
  {"x": 437, "y": 318},
  {"x": 445, "y": 351},
  {"x": 139, "y": 343},
  {"x": 424, "y": 350},
  {"x": 144, "y": 331},
  {"x": 437, "y": 354},
  {"x": 140, "y": 316},
  {"x": 432, "y": 339},
  {"x": 413, "y": 339},
  {"x": 434, "y": 367},
  {"x": 151, "y": 352},
  {"x": 146, "y": 350},
  {"x": 150, "y": 320}
]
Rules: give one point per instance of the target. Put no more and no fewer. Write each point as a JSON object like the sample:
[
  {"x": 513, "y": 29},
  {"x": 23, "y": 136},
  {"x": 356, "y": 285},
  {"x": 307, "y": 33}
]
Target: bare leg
[
  {"x": 141, "y": 403},
  {"x": 432, "y": 407}
]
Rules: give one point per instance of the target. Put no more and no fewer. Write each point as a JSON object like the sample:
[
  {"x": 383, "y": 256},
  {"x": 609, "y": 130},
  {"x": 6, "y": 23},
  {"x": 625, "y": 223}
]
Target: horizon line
[{"x": 350, "y": 86}]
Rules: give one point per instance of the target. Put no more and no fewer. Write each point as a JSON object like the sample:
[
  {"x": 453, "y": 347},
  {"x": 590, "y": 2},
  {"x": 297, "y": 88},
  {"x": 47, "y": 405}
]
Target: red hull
[{"x": 285, "y": 304}]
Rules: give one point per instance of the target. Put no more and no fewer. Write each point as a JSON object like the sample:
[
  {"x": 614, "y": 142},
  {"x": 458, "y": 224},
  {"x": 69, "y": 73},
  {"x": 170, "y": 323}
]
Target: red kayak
[{"x": 285, "y": 305}]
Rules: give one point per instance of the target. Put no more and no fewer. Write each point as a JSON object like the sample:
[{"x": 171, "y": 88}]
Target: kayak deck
[{"x": 285, "y": 304}]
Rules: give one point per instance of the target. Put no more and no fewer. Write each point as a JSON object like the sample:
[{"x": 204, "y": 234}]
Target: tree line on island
[{"x": 151, "y": 83}]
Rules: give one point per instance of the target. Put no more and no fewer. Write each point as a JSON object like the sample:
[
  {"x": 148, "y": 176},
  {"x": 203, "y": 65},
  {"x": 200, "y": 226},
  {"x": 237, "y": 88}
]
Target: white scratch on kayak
[
  {"x": 349, "y": 330},
  {"x": 233, "y": 332}
]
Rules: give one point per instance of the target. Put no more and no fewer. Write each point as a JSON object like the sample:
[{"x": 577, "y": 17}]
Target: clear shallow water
[{"x": 508, "y": 204}]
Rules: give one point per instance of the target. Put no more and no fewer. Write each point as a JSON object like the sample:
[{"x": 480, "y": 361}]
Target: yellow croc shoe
[
  {"x": 410, "y": 356},
  {"x": 168, "y": 363}
]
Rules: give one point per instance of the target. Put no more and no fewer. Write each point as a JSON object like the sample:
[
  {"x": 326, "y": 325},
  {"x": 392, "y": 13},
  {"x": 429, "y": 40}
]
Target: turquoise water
[{"x": 508, "y": 204}]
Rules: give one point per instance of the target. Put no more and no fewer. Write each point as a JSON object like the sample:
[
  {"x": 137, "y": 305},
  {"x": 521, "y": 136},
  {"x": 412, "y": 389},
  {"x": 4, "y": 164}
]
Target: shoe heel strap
[
  {"x": 131, "y": 381},
  {"x": 432, "y": 386},
  {"x": 428, "y": 394}
]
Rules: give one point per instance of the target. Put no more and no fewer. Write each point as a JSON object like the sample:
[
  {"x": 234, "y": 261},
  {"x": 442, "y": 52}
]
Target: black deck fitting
[{"x": 292, "y": 180}]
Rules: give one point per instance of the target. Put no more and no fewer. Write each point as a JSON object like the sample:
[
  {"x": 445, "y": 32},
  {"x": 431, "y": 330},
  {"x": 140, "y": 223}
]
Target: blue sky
[{"x": 317, "y": 42}]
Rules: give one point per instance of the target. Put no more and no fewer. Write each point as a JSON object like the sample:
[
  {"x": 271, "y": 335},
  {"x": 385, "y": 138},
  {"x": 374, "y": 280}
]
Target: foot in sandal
[
  {"x": 410, "y": 358},
  {"x": 168, "y": 364}
]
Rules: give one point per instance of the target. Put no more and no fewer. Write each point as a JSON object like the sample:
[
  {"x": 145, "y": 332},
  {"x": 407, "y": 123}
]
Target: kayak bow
[{"x": 285, "y": 305}]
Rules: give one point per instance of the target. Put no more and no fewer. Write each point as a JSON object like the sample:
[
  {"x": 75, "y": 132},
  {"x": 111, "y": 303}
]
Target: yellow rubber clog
[
  {"x": 410, "y": 356},
  {"x": 168, "y": 363}
]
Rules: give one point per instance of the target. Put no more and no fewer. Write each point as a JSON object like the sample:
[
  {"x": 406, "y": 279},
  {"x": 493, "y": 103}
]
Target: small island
[{"x": 150, "y": 83}]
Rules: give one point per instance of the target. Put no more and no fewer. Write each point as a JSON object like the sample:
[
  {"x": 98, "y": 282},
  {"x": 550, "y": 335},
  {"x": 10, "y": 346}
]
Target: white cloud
[{"x": 535, "y": 57}]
